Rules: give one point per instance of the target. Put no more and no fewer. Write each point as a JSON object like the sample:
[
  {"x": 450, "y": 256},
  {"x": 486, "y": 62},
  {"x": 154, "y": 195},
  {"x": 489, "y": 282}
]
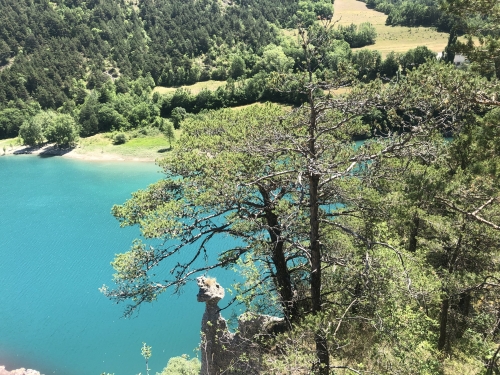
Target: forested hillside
[
  {"x": 87, "y": 59},
  {"x": 53, "y": 43},
  {"x": 55, "y": 53},
  {"x": 56, "y": 43}
]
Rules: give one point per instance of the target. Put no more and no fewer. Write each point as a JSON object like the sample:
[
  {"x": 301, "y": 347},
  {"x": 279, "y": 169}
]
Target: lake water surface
[{"x": 57, "y": 238}]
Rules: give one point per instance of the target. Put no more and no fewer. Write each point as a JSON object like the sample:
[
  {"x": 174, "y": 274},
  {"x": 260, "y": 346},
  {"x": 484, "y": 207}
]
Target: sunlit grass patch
[
  {"x": 195, "y": 88},
  {"x": 9, "y": 144},
  {"x": 389, "y": 38},
  {"x": 136, "y": 146}
]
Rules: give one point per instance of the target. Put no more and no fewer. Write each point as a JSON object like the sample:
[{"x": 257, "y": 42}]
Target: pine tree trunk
[
  {"x": 443, "y": 322},
  {"x": 323, "y": 365},
  {"x": 282, "y": 276},
  {"x": 412, "y": 243}
]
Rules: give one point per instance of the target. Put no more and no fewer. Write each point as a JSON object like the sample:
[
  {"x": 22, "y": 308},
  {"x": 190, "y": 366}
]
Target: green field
[
  {"x": 142, "y": 147},
  {"x": 101, "y": 146},
  {"x": 195, "y": 88}
]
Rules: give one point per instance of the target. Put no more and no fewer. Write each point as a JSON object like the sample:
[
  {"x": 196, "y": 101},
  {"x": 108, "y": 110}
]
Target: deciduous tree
[
  {"x": 32, "y": 131},
  {"x": 62, "y": 131}
]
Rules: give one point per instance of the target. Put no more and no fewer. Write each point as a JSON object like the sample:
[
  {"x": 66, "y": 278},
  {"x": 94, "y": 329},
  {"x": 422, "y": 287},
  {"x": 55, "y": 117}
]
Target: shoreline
[{"x": 49, "y": 150}]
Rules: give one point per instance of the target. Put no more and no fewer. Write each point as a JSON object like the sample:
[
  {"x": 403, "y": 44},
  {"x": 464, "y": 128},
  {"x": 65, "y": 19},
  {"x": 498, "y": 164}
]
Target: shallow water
[{"x": 57, "y": 238}]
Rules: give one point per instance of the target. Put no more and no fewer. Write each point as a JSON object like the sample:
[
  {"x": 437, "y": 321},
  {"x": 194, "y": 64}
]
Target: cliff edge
[{"x": 224, "y": 352}]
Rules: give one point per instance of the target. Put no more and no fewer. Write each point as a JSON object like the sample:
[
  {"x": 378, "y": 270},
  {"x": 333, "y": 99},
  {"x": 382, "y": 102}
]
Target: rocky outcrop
[
  {"x": 21, "y": 371},
  {"x": 224, "y": 352}
]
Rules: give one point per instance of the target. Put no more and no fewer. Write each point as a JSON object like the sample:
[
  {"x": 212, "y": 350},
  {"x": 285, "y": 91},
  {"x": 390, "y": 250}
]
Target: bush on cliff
[{"x": 182, "y": 366}]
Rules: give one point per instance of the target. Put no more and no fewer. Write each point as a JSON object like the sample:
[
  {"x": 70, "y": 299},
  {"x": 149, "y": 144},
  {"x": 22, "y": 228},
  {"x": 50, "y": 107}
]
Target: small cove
[{"x": 57, "y": 238}]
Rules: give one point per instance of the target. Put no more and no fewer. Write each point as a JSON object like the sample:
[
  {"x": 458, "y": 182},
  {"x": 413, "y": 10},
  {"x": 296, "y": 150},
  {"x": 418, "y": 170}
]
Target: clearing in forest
[
  {"x": 195, "y": 88},
  {"x": 389, "y": 38}
]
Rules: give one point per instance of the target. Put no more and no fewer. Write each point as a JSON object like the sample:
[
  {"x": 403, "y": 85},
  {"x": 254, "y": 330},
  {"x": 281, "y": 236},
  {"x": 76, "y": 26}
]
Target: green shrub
[
  {"x": 119, "y": 139},
  {"x": 182, "y": 366}
]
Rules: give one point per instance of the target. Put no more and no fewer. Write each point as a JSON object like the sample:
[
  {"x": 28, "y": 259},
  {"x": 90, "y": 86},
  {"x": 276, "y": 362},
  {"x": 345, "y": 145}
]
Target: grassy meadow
[
  {"x": 8, "y": 144},
  {"x": 195, "y": 88},
  {"x": 101, "y": 146},
  {"x": 389, "y": 38},
  {"x": 137, "y": 147}
]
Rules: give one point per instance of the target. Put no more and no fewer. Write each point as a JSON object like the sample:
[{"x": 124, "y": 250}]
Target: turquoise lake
[{"x": 57, "y": 239}]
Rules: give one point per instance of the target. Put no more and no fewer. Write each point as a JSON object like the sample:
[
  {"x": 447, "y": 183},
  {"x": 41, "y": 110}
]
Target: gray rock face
[
  {"x": 223, "y": 352},
  {"x": 21, "y": 371},
  {"x": 210, "y": 290}
]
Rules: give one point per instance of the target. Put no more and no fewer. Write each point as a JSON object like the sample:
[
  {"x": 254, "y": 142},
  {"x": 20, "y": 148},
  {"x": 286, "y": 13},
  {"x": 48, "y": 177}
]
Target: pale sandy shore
[{"x": 73, "y": 153}]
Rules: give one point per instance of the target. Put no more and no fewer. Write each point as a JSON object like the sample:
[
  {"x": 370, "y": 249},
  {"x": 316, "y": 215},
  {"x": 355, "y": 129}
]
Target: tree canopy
[{"x": 296, "y": 193}]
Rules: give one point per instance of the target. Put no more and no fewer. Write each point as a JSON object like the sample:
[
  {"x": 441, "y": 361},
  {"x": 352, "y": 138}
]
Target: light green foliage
[
  {"x": 107, "y": 92},
  {"x": 182, "y": 366},
  {"x": 143, "y": 86},
  {"x": 274, "y": 60},
  {"x": 62, "y": 131},
  {"x": 109, "y": 118},
  {"x": 11, "y": 120},
  {"x": 168, "y": 130},
  {"x": 257, "y": 296},
  {"x": 111, "y": 109},
  {"x": 146, "y": 353},
  {"x": 78, "y": 91},
  {"x": 390, "y": 66},
  {"x": 32, "y": 131},
  {"x": 311, "y": 10},
  {"x": 338, "y": 54},
  {"x": 143, "y": 114}
]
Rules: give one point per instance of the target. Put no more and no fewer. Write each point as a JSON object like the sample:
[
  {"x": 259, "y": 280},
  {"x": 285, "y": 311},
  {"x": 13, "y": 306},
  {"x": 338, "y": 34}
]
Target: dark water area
[{"x": 57, "y": 239}]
